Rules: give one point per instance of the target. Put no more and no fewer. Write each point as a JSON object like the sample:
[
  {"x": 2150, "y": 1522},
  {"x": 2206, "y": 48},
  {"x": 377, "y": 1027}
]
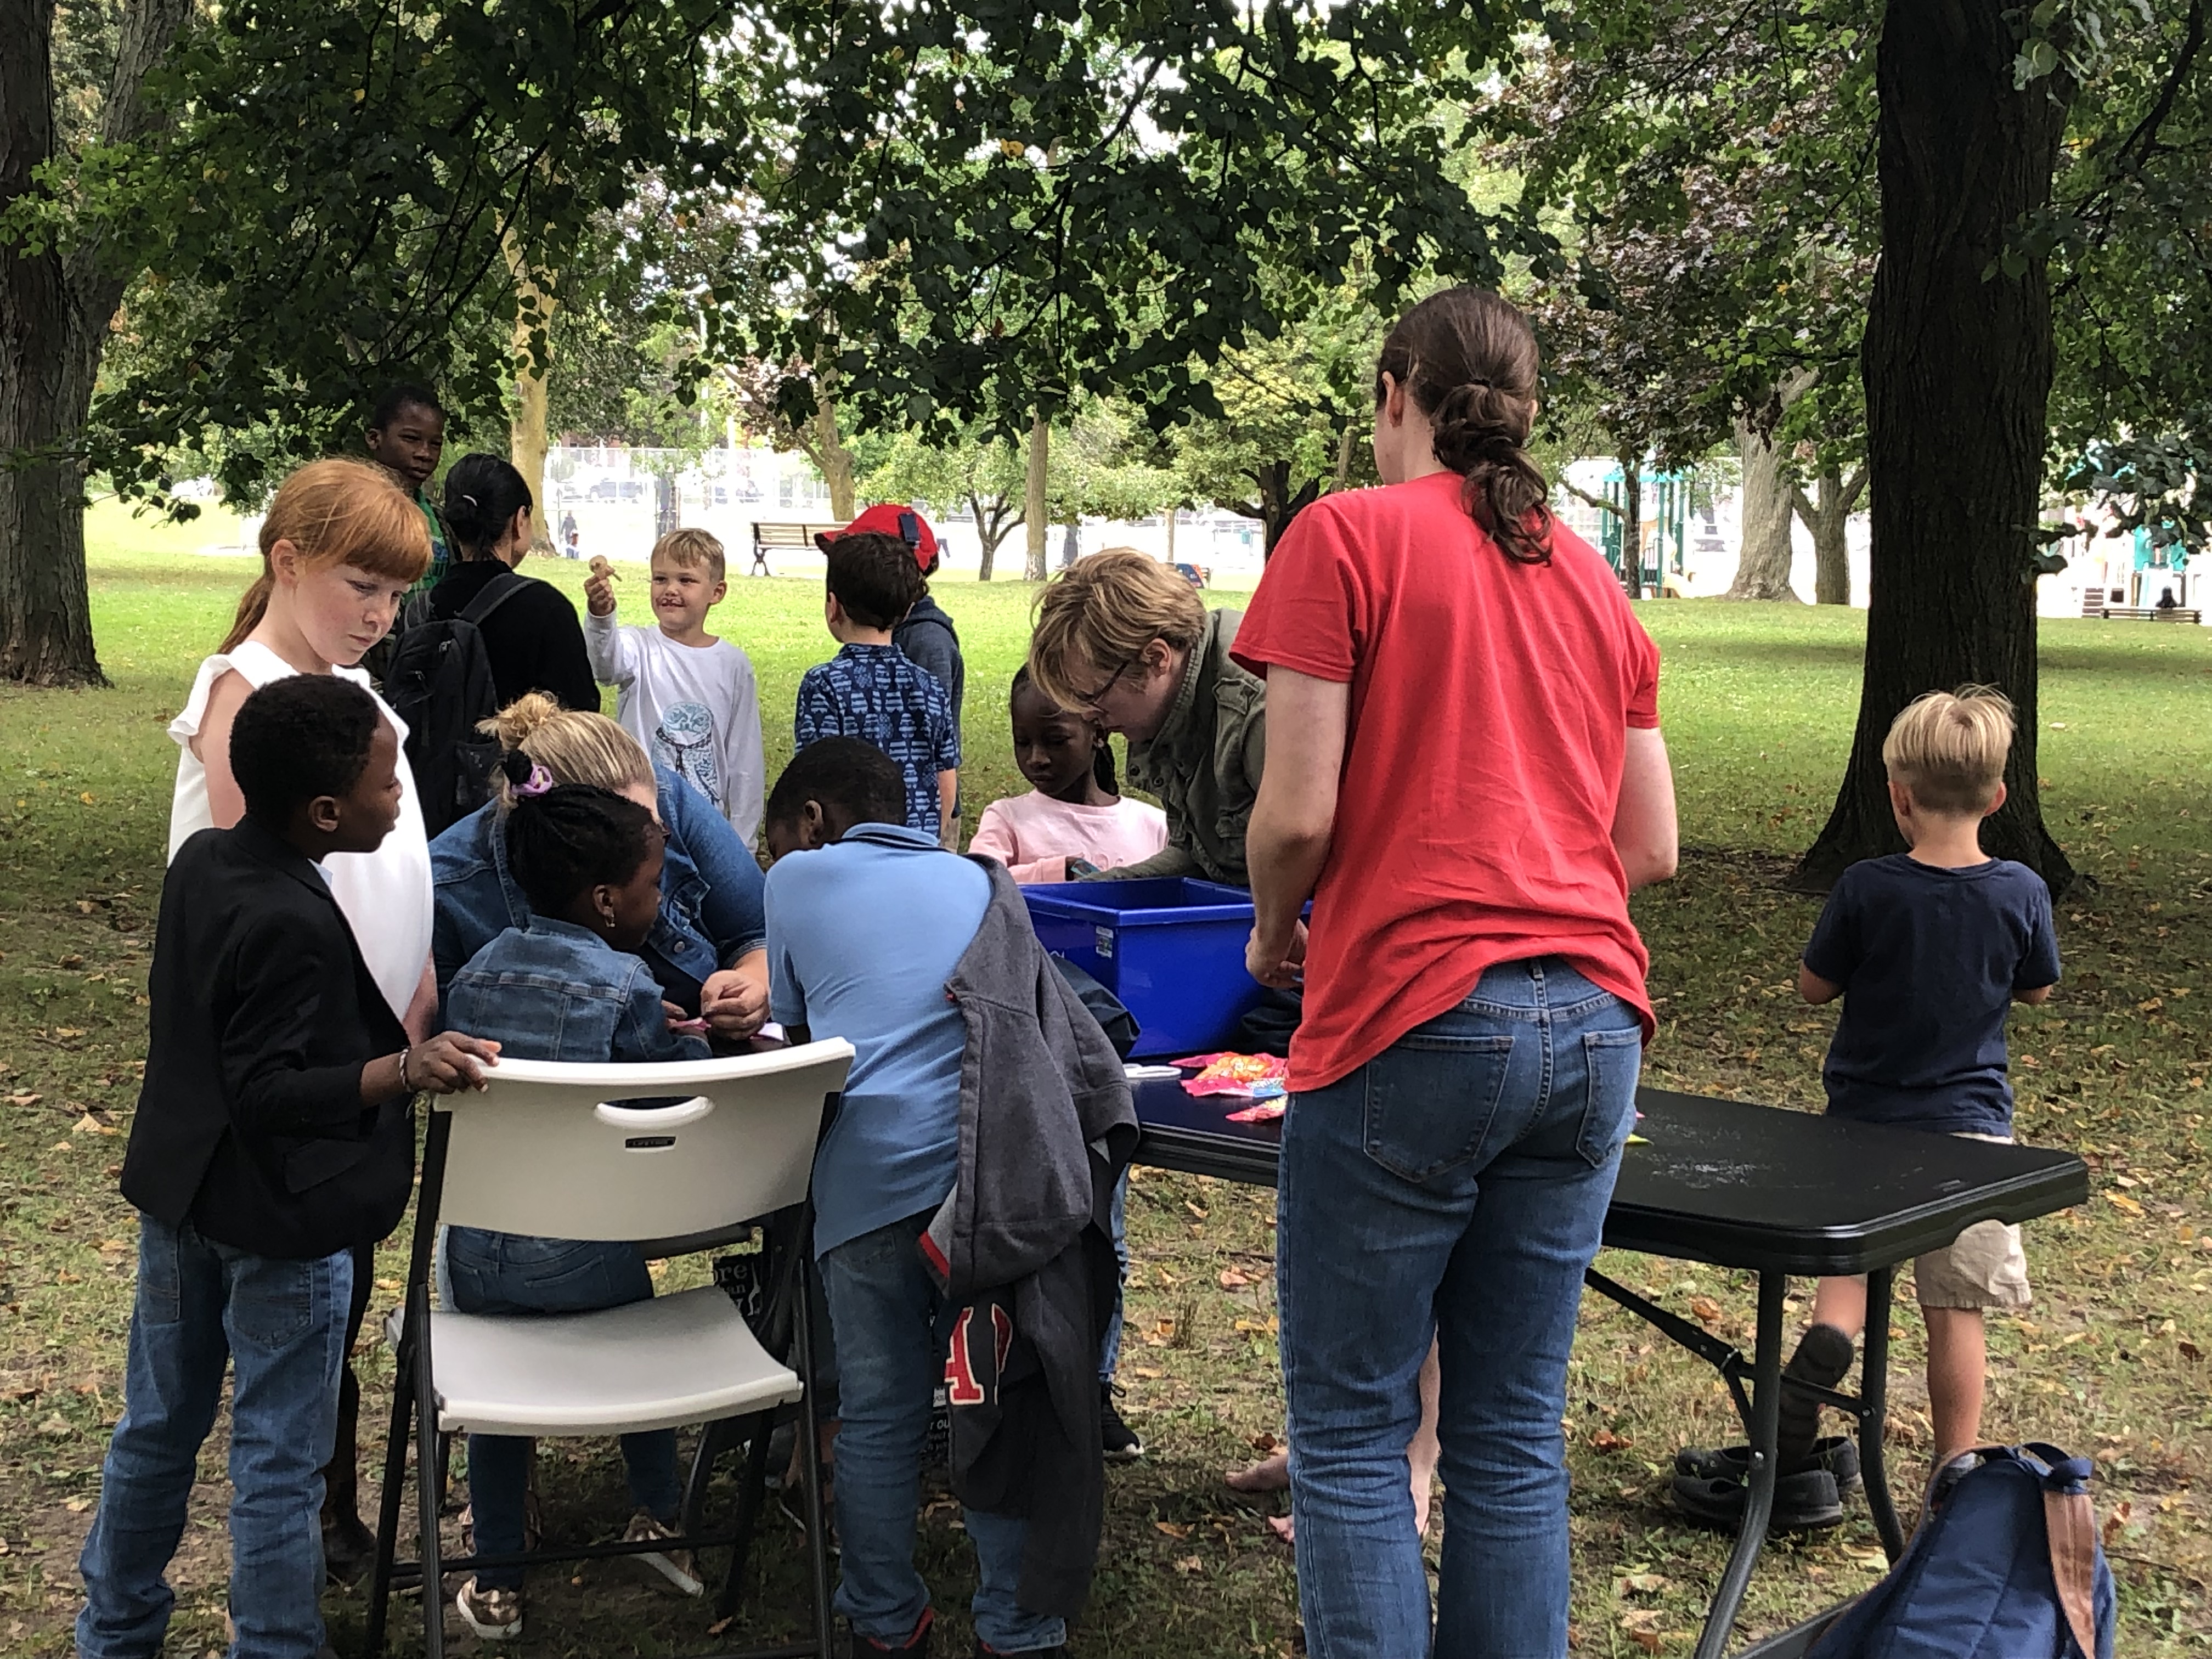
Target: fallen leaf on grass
[
  {"x": 1607, "y": 1440},
  {"x": 1264, "y": 1443},
  {"x": 1705, "y": 1309},
  {"x": 57, "y": 1427},
  {"x": 1645, "y": 1620},
  {"x": 1235, "y": 1278},
  {"x": 2115, "y": 1523},
  {"x": 69, "y": 1031},
  {"x": 1149, "y": 1373},
  {"x": 90, "y": 1125},
  {"x": 1172, "y": 1528},
  {"x": 2121, "y": 1201},
  {"x": 1642, "y": 1583},
  {"x": 23, "y": 1100},
  {"x": 2189, "y": 1351},
  {"x": 1190, "y": 1563},
  {"x": 1271, "y": 1324},
  {"x": 1196, "y": 1209}
]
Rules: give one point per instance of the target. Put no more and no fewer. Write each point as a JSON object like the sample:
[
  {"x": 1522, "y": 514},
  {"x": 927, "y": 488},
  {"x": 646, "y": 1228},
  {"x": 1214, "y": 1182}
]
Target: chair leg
[
  {"x": 387, "y": 1513},
  {"x": 809, "y": 1465},
  {"x": 714, "y": 1439},
  {"x": 428, "y": 1493},
  {"x": 751, "y": 1493}
]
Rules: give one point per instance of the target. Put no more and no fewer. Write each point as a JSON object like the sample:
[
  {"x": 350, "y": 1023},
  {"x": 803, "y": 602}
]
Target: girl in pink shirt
[{"x": 1075, "y": 815}]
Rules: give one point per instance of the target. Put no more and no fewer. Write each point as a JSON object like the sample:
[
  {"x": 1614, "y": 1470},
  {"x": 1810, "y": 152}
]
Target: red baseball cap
[{"x": 891, "y": 519}]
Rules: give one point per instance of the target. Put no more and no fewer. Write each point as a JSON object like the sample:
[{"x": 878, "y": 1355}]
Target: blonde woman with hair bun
[{"x": 708, "y": 946}]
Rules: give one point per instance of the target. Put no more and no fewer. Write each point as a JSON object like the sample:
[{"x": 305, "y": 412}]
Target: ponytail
[
  {"x": 1469, "y": 360},
  {"x": 336, "y": 512}
]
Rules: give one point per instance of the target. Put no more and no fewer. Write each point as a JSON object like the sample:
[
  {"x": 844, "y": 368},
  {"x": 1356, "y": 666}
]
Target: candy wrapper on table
[{"x": 1261, "y": 1079}]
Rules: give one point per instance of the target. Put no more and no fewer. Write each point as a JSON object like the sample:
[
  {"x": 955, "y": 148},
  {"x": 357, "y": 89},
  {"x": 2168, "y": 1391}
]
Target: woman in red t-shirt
[{"x": 1467, "y": 778}]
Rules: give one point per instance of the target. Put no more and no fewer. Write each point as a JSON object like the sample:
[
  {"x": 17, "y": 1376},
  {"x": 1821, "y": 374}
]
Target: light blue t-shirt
[{"x": 862, "y": 936}]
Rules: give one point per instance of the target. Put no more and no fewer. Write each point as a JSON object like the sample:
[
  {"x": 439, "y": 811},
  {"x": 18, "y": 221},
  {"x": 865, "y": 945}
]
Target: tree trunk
[
  {"x": 1762, "y": 568},
  {"x": 1957, "y": 368},
  {"x": 1827, "y": 514},
  {"x": 54, "y": 314},
  {"x": 533, "y": 362},
  {"x": 1632, "y": 524},
  {"x": 834, "y": 459},
  {"x": 1172, "y": 512},
  {"x": 1034, "y": 513},
  {"x": 1277, "y": 504},
  {"x": 989, "y": 535}
]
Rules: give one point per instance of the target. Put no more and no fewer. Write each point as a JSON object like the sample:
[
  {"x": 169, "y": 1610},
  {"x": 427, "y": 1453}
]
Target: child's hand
[
  {"x": 600, "y": 589},
  {"x": 447, "y": 1063}
]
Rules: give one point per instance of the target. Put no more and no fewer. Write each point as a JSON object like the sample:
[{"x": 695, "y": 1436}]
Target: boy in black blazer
[{"x": 274, "y": 1133}]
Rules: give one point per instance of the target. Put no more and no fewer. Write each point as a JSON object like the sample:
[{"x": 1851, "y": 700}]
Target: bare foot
[
  {"x": 1270, "y": 1473},
  {"x": 1284, "y": 1528}
]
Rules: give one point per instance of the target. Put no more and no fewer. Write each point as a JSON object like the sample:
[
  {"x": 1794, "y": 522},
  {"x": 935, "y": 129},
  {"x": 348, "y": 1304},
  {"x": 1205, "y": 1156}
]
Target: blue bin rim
[{"x": 1058, "y": 898}]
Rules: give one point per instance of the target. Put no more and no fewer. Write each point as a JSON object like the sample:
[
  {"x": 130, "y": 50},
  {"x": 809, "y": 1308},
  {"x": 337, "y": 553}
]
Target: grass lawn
[{"x": 1759, "y": 704}]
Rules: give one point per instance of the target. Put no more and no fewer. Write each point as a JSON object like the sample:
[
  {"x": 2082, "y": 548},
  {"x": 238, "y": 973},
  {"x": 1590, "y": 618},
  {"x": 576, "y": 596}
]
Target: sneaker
[
  {"x": 1115, "y": 1438},
  {"x": 494, "y": 1615},
  {"x": 916, "y": 1645},
  {"x": 677, "y": 1566},
  {"x": 1802, "y": 1502},
  {"x": 1837, "y": 1454}
]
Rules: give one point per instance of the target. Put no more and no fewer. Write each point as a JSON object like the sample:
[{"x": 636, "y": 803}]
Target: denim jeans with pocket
[
  {"x": 884, "y": 1307},
  {"x": 512, "y": 1274},
  {"x": 1455, "y": 1187},
  {"x": 280, "y": 1325}
]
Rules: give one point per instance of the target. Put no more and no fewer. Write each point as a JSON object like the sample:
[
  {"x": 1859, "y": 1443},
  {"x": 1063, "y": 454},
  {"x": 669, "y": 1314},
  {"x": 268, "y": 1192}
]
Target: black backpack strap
[{"x": 492, "y": 595}]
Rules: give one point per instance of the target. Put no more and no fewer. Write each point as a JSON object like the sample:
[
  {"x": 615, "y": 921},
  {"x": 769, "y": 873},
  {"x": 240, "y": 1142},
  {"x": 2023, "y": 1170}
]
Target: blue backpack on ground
[{"x": 2006, "y": 1566}]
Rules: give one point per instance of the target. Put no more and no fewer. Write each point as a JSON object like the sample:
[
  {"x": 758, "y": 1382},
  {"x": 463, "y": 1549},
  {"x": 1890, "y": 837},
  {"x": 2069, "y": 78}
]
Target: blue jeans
[
  {"x": 1109, "y": 1351},
  {"x": 1455, "y": 1186},
  {"x": 511, "y": 1273},
  {"x": 280, "y": 1326},
  {"x": 883, "y": 1306}
]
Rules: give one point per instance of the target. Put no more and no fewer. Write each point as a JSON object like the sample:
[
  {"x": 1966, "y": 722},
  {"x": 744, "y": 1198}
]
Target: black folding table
[{"x": 1721, "y": 1181}]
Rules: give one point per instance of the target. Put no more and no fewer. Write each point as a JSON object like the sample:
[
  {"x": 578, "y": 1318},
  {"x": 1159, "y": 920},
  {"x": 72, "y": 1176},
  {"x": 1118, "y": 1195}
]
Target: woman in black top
[{"x": 533, "y": 639}]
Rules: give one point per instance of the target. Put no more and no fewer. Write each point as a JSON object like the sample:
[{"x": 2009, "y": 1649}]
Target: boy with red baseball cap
[{"x": 926, "y": 637}]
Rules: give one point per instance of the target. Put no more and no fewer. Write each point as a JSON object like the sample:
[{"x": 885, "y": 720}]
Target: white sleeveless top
[{"x": 386, "y": 895}]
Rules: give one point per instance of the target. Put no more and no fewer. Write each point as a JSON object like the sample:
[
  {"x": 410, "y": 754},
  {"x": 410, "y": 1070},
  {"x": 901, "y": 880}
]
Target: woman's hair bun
[
  {"x": 1475, "y": 426},
  {"x": 513, "y": 724}
]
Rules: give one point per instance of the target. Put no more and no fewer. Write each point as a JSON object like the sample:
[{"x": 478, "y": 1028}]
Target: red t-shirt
[{"x": 1489, "y": 705}]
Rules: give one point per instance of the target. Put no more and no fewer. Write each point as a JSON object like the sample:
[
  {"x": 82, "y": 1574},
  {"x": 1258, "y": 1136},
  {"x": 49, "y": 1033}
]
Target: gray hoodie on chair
[{"x": 1023, "y": 1251}]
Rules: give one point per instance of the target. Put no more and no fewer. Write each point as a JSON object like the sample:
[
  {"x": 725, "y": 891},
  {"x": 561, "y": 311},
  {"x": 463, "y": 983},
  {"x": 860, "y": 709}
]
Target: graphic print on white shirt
[{"x": 683, "y": 742}]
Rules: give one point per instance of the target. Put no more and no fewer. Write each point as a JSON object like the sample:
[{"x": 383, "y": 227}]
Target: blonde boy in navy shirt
[{"x": 1927, "y": 949}]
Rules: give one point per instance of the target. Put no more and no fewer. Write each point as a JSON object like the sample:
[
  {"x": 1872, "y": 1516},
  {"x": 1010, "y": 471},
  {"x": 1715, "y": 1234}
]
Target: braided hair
[
  {"x": 1468, "y": 359},
  {"x": 571, "y": 837}
]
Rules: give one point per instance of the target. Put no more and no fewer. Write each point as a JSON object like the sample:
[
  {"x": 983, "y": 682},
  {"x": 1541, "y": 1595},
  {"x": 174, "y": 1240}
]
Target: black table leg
[
  {"x": 1873, "y": 1414},
  {"x": 1765, "y": 1429}
]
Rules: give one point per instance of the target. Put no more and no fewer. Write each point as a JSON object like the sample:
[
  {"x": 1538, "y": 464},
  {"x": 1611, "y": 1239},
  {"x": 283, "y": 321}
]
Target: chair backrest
[{"x": 542, "y": 1151}]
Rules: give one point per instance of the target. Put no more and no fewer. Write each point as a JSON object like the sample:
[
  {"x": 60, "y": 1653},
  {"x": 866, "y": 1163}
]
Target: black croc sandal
[
  {"x": 1802, "y": 1502},
  {"x": 1836, "y": 1453}
]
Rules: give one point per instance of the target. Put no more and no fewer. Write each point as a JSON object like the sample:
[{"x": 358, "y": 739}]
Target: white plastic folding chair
[{"x": 545, "y": 1150}]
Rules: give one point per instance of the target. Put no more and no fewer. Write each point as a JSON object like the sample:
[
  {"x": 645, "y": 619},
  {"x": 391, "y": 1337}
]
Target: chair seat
[{"x": 690, "y": 1357}]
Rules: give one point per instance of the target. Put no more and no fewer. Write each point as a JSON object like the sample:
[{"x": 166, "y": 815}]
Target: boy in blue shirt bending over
[
  {"x": 870, "y": 691},
  {"x": 867, "y": 919},
  {"x": 1927, "y": 949}
]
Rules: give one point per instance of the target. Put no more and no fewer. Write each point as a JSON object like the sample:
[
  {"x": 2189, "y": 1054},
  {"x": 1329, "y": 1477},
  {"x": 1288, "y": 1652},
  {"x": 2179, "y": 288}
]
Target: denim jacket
[
  {"x": 710, "y": 888},
  {"x": 556, "y": 991}
]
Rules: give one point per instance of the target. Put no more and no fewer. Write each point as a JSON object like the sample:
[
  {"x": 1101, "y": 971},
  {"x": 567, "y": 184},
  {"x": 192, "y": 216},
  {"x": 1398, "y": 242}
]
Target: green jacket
[{"x": 1205, "y": 763}]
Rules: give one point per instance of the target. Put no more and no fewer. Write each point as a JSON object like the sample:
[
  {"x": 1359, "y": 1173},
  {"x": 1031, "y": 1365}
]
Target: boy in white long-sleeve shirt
[{"x": 688, "y": 697}]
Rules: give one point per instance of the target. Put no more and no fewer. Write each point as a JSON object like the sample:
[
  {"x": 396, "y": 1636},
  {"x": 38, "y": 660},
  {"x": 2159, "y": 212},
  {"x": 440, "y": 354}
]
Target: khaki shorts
[{"x": 1984, "y": 1267}]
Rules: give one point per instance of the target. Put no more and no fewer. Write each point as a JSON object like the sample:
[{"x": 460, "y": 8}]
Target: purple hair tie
[{"x": 540, "y": 781}]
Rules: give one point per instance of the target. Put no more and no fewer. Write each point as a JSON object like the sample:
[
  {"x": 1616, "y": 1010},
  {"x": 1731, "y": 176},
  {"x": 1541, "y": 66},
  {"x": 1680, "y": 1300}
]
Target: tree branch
[
  {"x": 1854, "y": 487},
  {"x": 1585, "y": 497}
]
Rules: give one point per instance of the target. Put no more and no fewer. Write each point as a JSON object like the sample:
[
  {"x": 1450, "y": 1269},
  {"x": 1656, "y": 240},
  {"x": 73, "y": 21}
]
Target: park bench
[
  {"x": 766, "y": 536},
  {"x": 2173, "y": 613}
]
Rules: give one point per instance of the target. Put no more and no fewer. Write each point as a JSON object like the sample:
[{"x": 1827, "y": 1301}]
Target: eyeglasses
[{"x": 1089, "y": 699}]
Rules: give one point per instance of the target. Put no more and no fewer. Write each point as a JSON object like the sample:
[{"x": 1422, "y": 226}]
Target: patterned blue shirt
[{"x": 872, "y": 692}]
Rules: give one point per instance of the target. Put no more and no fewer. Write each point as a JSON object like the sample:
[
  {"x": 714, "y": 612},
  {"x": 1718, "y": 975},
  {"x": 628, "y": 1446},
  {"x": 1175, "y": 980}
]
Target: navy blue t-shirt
[{"x": 1929, "y": 960}]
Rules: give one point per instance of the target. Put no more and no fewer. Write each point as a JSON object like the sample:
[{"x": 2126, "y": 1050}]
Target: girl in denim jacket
[{"x": 568, "y": 986}]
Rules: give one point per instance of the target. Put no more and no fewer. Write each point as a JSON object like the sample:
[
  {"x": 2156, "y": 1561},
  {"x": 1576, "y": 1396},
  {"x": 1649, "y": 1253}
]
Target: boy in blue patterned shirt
[{"x": 869, "y": 689}]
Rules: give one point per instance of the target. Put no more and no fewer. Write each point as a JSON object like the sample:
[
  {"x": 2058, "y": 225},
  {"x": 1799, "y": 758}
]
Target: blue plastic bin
[{"x": 1172, "y": 949}]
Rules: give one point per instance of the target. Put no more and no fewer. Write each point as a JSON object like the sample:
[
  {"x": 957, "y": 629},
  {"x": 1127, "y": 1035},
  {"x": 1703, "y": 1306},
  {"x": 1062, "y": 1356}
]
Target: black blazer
[{"x": 250, "y": 1122}]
